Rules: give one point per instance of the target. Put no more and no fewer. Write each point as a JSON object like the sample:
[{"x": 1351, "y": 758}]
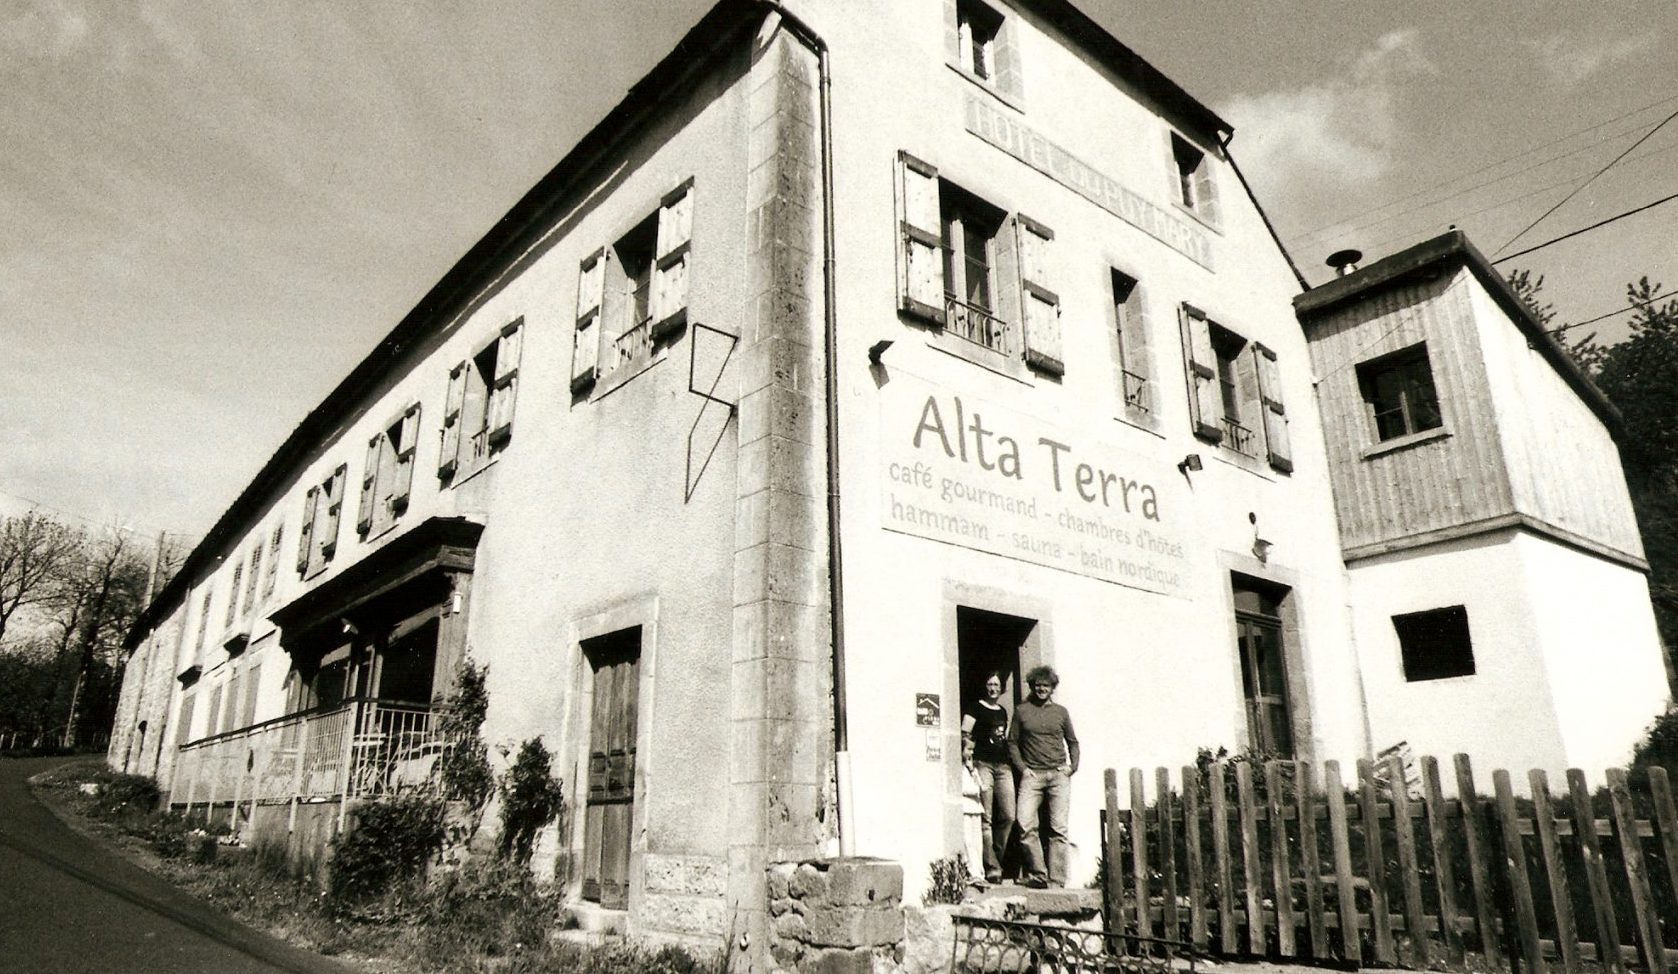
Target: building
[{"x": 768, "y": 423}]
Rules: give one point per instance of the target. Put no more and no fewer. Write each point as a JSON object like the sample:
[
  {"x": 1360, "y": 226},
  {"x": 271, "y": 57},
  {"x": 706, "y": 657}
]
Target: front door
[
  {"x": 616, "y": 662},
  {"x": 1264, "y": 683}
]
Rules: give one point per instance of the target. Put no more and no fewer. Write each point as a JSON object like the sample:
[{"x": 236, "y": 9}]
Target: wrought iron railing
[
  {"x": 362, "y": 748},
  {"x": 1136, "y": 391},
  {"x": 979, "y": 326},
  {"x": 478, "y": 445},
  {"x": 1239, "y": 438},
  {"x": 635, "y": 337},
  {"x": 984, "y": 946}
]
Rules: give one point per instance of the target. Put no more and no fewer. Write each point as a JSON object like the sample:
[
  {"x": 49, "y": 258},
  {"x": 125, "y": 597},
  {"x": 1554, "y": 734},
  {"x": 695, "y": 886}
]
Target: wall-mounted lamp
[
  {"x": 877, "y": 351},
  {"x": 1261, "y": 550},
  {"x": 1190, "y": 462}
]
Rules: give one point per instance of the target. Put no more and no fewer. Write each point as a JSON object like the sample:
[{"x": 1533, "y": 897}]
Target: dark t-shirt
[{"x": 990, "y": 733}]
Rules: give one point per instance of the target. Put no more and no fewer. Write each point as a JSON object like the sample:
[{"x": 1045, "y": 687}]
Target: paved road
[{"x": 69, "y": 904}]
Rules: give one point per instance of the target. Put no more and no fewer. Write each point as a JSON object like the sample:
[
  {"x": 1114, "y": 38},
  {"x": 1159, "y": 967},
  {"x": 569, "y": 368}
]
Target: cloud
[
  {"x": 1569, "y": 59},
  {"x": 1340, "y": 131},
  {"x": 44, "y": 29}
]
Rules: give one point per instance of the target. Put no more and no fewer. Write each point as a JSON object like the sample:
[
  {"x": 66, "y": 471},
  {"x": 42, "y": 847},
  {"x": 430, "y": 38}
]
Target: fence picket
[
  {"x": 1196, "y": 864},
  {"x": 1567, "y": 937},
  {"x": 1439, "y": 841},
  {"x": 1113, "y": 856},
  {"x": 1334, "y": 792},
  {"x": 1167, "y": 854},
  {"x": 1310, "y": 862},
  {"x": 1250, "y": 855},
  {"x": 1479, "y": 872},
  {"x": 1281, "y": 872},
  {"x": 1410, "y": 877},
  {"x": 1520, "y": 887},
  {"x": 1380, "y": 922},
  {"x": 1631, "y": 851},
  {"x": 1139, "y": 854},
  {"x": 1596, "y": 874},
  {"x": 1661, "y": 789},
  {"x": 1220, "y": 856}
]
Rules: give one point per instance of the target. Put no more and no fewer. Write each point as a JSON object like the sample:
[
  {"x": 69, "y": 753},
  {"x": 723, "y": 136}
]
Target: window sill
[
  {"x": 1011, "y": 99},
  {"x": 1254, "y": 465},
  {"x": 1405, "y": 442},
  {"x": 623, "y": 375},
  {"x": 1194, "y": 215},
  {"x": 469, "y": 473},
  {"x": 1141, "y": 419},
  {"x": 1003, "y": 365}
]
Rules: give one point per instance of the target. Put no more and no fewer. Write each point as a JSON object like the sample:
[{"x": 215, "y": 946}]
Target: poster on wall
[
  {"x": 928, "y": 711},
  {"x": 967, "y": 472}
]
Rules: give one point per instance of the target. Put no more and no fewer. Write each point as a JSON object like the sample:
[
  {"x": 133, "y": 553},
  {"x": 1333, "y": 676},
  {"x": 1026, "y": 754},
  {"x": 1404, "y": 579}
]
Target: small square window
[
  {"x": 1435, "y": 644},
  {"x": 980, "y": 30},
  {"x": 1194, "y": 187},
  {"x": 1400, "y": 392}
]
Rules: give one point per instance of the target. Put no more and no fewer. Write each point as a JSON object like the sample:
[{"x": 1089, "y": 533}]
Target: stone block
[
  {"x": 864, "y": 881},
  {"x": 927, "y": 935},
  {"x": 751, "y": 631},
  {"x": 777, "y": 876},
  {"x": 779, "y": 360},
  {"x": 750, "y": 574},
  {"x": 856, "y": 926},
  {"x": 689, "y": 875},
  {"x": 791, "y": 926},
  {"x": 792, "y": 575},
  {"x": 751, "y": 516},
  {"x": 809, "y": 884},
  {"x": 690, "y": 914},
  {"x": 799, "y": 520},
  {"x": 839, "y": 962},
  {"x": 776, "y": 688},
  {"x": 793, "y": 467}
]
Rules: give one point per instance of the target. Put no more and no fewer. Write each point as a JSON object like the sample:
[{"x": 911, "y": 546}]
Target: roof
[
  {"x": 1451, "y": 250},
  {"x": 702, "y": 46}
]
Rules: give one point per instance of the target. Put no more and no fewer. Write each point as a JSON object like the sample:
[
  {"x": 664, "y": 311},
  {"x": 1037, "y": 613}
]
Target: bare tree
[{"x": 34, "y": 551}]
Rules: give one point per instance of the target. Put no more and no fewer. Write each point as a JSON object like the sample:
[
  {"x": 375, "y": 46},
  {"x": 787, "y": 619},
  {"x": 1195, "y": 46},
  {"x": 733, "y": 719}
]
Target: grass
[{"x": 486, "y": 917}]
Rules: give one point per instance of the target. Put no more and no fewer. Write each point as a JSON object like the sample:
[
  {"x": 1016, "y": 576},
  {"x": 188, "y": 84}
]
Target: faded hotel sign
[
  {"x": 1055, "y": 162},
  {"x": 967, "y": 472}
]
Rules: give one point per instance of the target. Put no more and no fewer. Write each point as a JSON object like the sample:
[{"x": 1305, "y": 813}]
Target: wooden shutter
[
  {"x": 273, "y": 560},
  {"x": 233, "y": 594},
  {"x": 585, "y": 348},
  {"x": 1248, "y": 406},
  {"x": 333, "y": 496},
  {"x": 369, "y": 485},
  {"x": 306, "y": 535},
  {"x": 920, "y": 259},
  {"x": 1039, "y": 305},
  {"x": 1201, "y": 365},
  {"x": 1275, "y": 415},
  {"x": 1134, "y": 355},
  {"x": 256, "y": 572},
  {"x": 253, "y": 681},
  {"x": 1205, "y": 190},
  {"x": 449, "y": 456},
  {"x": 504, "y": 391},
  {"x": 213, "y": 718},
  {"x": 670, "y": 271},
  {"x": 183, "y": 731},
  {"x": 404, "y": 480}
]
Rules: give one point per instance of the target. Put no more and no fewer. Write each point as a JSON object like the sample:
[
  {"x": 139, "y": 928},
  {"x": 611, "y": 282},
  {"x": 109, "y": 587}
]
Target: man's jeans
[
  {"x": 1036, "y": 787},
  {"x": 996, "y": 817}
]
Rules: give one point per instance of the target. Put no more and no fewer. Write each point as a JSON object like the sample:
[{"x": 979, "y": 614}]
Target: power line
[
  {"x": 1646, "y": 136},
  {"x": 1575, "y": 233},
  {"x": 92, "y": 522},
  {"x": 1618, "y": 311},
  {"x": 1315, "y": 231}
]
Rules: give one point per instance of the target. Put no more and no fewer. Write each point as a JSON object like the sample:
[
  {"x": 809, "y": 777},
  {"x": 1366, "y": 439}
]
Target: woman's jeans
[{"x": 996, "y": 818}]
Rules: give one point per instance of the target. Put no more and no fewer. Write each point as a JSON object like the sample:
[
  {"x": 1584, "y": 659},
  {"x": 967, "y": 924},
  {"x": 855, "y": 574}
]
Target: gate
[{"x": 1001, "y": 946}]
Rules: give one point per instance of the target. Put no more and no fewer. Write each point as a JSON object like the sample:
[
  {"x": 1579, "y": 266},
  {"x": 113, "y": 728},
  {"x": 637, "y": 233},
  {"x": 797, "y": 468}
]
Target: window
[
  {"x": 1193, "y": 187},
  {"x": 387, "y": 474},
  {"x": 1235, "y": 396},
  {"x": 273, "y": 560},
  {"x": 233, "y": 595},
  {"x": 1400, "y": 393},
  {"x": 478, "y": 417},
  {"x": 1435, "y": 644},
  {"x": 1264, "y": 670},
  {"x": 1130, "y": 317},
  {"x": 979, "y": 43},
  {"x": 317, "y": 542},
  {"x": 203, "y": 621},
  {"x": 634, "y": 294},
  {"x": 255, "y": 573},
  {"x": 183, "y": 729},
  {"x": 976, "y": 273}
]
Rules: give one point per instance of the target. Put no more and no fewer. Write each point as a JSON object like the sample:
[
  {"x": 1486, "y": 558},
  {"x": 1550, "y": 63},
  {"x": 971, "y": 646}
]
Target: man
[{"x": 1044, "y": 750}]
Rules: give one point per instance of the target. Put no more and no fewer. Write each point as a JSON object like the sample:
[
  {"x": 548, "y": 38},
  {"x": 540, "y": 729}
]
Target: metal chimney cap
[{"x": 1344, "y": 261}]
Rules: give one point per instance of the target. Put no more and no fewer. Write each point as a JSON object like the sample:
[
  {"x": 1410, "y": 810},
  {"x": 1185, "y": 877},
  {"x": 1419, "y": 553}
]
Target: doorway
[
  {"x": 1262, "y": 653},
  {"x": 993, "y": 643},
  {"x": 615, "y": 661}
]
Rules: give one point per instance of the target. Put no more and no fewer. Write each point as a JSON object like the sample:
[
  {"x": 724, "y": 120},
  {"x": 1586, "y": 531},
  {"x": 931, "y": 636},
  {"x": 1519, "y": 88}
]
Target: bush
[
  {"x": 487, "y": 908},
  {"x": 126, "y": 796},
  {"x": 949, "y": 880},
  {"x": 530, "y": 798},
  {"x": 391, "y": 842},
  {"x": 463, "y": 768}
]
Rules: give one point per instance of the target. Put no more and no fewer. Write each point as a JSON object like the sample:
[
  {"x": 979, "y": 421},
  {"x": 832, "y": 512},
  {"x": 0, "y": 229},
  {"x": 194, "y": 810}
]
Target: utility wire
[
  {"x": 1618, "y": 311},
  {"x": 1646, "y": 136},
  {"x": 1575, "y": 233}
]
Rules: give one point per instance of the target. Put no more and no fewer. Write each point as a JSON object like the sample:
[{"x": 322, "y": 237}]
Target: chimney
[{"x": 1344, "y": 261}]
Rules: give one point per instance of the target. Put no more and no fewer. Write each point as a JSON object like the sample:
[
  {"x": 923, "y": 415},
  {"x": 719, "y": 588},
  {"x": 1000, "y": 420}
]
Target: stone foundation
[{"x": 836, "y": 916}]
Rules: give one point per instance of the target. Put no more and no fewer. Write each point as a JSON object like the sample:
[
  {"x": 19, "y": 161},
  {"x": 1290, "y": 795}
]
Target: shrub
[
  {"x": 485, "y": 908},
  {"x": 463, "y": 768},
  {"x": 530, "y": 798},
  {"x": 949, "y": 880},
  {"x": 392, "y": 841},
  {"x": 126, "y": 796}
]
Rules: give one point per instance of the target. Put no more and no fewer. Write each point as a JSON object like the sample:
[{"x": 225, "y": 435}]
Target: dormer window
[
  {"x": 978, "y": 27},
  {"x": 980, "y": 42},
  {"x": 1193, "y": 187},
  {"x": 1400, "y": 392}
]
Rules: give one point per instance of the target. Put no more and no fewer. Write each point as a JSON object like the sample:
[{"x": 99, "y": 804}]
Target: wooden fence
[{"x": 1276, "y": 860}]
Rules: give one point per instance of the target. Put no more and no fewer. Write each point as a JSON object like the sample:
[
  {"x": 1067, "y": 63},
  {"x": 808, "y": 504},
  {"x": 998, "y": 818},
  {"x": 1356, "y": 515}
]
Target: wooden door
[{"x": 616, "y": 662}]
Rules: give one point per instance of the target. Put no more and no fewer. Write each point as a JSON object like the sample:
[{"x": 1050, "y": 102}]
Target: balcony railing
[
  {"x": 979, "y": 326},
  {"x": 635, "y": 339},
  {"x": 362, "y": 748},
  {"x": 1136, "y": 391},
  {"x": 1239, "y": 438}
]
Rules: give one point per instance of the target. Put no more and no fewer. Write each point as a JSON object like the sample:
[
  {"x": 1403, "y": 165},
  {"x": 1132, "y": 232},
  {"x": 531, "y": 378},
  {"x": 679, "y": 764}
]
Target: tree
[
  {"x": 1586, "y": 351},
  {"x": 101, "y": 596},
  {"x": 34, "y": 551}
]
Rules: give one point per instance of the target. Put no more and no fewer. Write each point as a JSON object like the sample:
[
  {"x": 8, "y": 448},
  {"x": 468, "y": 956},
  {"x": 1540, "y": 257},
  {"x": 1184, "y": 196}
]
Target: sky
[{"x": 213, "y": 210}]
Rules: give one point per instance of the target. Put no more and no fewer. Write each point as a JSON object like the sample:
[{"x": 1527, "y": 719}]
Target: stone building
[{"x": 770, "y": 421}]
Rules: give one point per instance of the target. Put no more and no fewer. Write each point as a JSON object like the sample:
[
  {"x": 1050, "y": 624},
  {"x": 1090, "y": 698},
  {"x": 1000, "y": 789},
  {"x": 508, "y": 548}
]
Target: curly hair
[{"x": 1042, "y": 674}]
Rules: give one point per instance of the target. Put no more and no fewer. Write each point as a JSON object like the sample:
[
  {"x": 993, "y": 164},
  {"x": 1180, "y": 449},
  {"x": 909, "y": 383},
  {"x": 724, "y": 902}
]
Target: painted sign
[
  {"x": 967, "y": 472},
  {"x": 1031, "y": 148}
]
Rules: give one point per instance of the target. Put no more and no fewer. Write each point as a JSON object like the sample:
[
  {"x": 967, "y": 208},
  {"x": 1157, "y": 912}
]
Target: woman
[{"x": 984, "y": 731}]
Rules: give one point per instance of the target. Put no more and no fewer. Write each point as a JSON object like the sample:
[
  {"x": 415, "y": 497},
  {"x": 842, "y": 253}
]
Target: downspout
[{"x": 830, "y": 350}]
